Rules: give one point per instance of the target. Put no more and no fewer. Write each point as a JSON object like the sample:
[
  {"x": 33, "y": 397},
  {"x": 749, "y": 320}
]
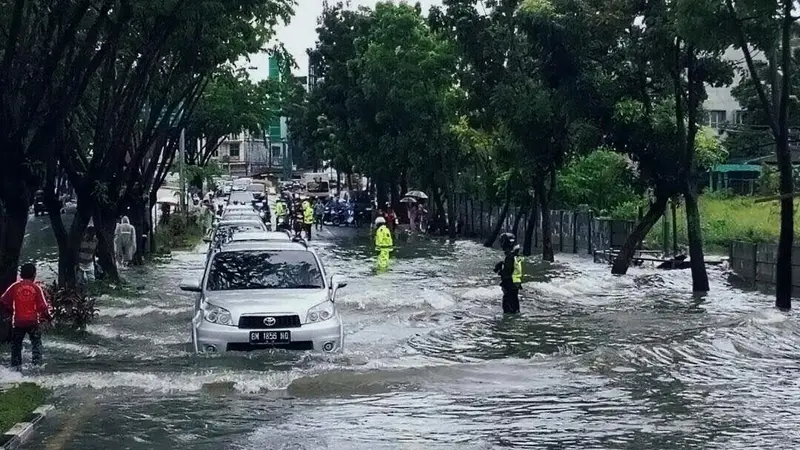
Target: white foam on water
[
  {"x": 245, "y": 382},
  {"x": 396, "y": 296},
  {"x": 10, "y": 376},
  {"x": 109, "y": 332},
  {"x": 483, "y": 293},
  {"x": 142, "y": 311},
  {"x": 85, "y": 350}
]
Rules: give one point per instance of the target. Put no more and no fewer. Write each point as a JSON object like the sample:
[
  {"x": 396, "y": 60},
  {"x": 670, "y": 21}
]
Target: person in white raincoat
[{"x": 125, "y": 241}]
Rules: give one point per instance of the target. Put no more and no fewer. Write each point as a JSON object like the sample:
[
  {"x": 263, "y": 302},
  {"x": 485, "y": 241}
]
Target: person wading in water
[{"x": 510, "y": 271}]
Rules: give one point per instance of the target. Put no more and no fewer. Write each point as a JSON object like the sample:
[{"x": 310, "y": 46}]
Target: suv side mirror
[{"x": 336, "y": 284}]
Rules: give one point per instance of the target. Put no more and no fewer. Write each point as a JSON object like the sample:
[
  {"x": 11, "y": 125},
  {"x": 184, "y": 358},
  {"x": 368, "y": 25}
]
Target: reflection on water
[{"x": 594, "y": 361}]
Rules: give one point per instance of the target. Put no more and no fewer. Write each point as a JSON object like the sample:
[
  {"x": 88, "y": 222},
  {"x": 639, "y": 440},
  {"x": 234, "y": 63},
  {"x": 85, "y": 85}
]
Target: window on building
[
  {"x": 738, "y": 117},
  {"x": 717, "y": 119},
  {"x": 233, "y": 150},
  {"x": 276, "y": 151},
  {"x": 215, "y": 153}
]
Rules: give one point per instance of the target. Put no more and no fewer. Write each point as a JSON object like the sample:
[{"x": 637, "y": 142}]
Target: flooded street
[{"x": 595, "y": 361}]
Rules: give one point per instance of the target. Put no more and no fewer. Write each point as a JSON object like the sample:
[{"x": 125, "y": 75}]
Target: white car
[
  {"x": 260, "y": 236},
  {"x": 269, "y": 294}
]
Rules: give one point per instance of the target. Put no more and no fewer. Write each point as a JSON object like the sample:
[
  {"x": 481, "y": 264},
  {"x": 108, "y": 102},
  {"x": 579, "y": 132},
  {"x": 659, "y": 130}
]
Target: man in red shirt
[{"x": 25, "y": 302}]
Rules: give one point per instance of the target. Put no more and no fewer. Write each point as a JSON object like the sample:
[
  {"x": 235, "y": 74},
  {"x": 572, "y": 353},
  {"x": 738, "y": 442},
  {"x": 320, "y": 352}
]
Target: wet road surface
[{"x": 595, "y": 361}]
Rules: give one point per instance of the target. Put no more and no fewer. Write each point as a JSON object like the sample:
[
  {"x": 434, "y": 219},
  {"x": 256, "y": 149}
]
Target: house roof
[{"x": 725, "y": 168}]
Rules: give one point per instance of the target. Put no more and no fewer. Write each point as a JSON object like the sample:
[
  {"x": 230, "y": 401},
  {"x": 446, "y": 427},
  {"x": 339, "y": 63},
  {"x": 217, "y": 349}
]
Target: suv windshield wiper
[{"x": 307, "y": 286}]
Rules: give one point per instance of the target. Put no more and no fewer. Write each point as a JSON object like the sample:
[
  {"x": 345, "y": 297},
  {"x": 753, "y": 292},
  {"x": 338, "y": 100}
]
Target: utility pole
[{"x": 181, "y": 164}]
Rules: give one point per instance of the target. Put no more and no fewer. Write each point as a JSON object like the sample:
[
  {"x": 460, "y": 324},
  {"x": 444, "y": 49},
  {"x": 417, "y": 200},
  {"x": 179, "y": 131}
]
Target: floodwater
[{"x": 593, "y": 362}]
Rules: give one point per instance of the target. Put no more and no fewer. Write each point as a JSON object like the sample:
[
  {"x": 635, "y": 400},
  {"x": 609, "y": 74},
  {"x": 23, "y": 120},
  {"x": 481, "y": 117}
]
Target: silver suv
[{"x": 268, "y": 294}]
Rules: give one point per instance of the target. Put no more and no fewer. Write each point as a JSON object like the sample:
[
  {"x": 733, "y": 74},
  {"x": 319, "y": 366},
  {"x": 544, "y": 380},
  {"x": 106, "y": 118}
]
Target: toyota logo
[{"x": 269, "y": 321}]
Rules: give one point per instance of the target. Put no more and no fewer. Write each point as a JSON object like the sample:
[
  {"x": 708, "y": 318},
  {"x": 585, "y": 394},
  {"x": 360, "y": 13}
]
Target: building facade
[{"x": 247, "y": 154}]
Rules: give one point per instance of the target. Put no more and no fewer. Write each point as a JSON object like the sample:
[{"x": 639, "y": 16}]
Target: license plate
[{"x": 270, "y": 337}]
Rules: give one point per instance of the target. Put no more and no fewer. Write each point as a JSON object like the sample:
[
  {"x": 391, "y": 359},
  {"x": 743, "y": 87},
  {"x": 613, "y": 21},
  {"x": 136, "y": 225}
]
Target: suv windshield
[{"x": 264, "y": 269}]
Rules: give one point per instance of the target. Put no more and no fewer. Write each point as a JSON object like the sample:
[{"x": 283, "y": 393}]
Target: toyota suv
[{"x": 268, "y": 294}]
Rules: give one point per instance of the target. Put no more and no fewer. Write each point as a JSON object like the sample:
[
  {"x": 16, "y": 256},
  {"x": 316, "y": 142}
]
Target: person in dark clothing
[
  {"x": 26, "y": 303},
  {"x": 510, "y": 271}
]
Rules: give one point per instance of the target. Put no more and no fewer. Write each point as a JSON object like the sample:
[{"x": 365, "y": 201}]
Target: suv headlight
[
  {"x": 321, "y": 312},
  {"x": 215, "y": 314}
]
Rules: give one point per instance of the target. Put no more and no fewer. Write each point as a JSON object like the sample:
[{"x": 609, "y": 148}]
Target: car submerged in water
[{"x": 263, "y": 295}]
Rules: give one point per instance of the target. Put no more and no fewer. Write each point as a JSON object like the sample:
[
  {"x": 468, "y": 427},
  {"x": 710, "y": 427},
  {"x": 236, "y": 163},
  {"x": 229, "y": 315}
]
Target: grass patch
[
  {"x": 728, "y": 219},
  {"x": 18, "y": 402},
  {"x": 181, "y": 232}
]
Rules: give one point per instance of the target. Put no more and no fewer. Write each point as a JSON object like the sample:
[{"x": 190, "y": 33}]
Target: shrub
[
  {"x": 603, "y": 179},
  {"x": 73, "y": 308},
  {"x": 180, "y": 232}
]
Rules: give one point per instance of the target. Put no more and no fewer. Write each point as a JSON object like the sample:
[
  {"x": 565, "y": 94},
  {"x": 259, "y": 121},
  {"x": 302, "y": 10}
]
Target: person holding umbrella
[
  {"x": 411, "y": 209},
  {"x": 415, "y": 209}
]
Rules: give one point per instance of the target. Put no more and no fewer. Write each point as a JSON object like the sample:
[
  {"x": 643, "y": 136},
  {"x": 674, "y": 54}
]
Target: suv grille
[{"x": 257, "y": 322}]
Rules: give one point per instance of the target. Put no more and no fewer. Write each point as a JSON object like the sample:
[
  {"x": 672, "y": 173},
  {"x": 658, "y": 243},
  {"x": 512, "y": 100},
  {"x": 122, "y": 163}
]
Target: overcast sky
[{"x": 301, "y": 33}]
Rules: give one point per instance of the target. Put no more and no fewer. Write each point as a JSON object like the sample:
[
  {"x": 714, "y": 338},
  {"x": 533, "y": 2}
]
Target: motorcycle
[{"x": 339, "y": 214}]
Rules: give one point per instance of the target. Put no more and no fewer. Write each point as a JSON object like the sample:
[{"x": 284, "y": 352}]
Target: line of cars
[{"x": 262, "y": 289}]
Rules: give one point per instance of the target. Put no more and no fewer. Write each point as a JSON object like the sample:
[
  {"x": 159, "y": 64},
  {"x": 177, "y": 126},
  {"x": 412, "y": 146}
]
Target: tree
[
  {"x": 768, "y": 25},
  {"x": 48, "y": 53},
  {"x": 603, "y": 179},
  {"x": 405, "y": 76},
  {"x": 665, "y": 64},
  {"x": 529, "y": 68},
  {"x": 126, "y": 130},
  {"x": 752, "y": 138},
  {"x": 230, "y": 104}
]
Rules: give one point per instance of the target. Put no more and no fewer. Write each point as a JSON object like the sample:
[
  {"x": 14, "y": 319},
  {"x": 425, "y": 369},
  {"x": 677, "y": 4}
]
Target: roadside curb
[{"x": 21, "y": 431}]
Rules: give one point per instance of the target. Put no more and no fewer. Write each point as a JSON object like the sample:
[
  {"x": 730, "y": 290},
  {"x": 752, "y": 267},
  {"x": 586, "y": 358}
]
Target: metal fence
[{"x": 571, "y": 231}]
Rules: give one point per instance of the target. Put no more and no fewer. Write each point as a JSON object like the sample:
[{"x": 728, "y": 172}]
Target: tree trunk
[
  {"x": 522, "y": 211},
  {"x": 66, "y": 266},
  {"x": 393, "y": 193},
  {"x": 503, "y": 213},
  {"x": 151, "y": 228},
  {"x": 783, "y": 264},
  {"x": 105, "y": 224},
  {"x": 451, "y": 215},
  {"x": 68, "y": 251},
  {"x": 639, "y": 232},
  {"x": 382, "y": 193},
  {"x": 696, "y": 258},
  {"x": 13, "y": 221},
  {"x": 530, "y": 230},
  {"x": 547, "y": 234}
]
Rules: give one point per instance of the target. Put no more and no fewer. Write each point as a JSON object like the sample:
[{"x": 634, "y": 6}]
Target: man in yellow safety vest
[
  {"x": 308, "y": 218},
  {"x": 383, "y": 243},
  {"x": 510, "y": 271}
]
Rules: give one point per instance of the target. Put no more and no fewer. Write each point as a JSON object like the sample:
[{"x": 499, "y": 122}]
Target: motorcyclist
[
  {"x": 280, "y": 208},
  {"x": 510, "y": 271},
  {"x": 383, "y": 243}
]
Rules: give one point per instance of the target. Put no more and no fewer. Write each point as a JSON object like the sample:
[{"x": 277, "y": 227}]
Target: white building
[
  {"x": 720, "y": 106},
  {"x": 246, "y": 154}
]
